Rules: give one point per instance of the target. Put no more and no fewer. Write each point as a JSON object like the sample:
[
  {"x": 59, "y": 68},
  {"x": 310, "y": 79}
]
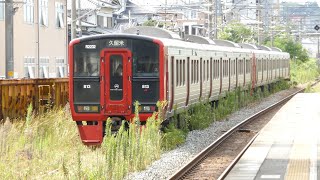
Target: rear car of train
[{"x": 108, "y": 74}]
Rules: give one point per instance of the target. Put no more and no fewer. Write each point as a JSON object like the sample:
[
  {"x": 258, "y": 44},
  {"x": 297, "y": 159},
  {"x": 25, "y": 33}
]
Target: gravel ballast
[{"x": 197, "y": 140}]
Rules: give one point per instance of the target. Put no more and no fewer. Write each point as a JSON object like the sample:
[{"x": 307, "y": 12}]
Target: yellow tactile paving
[
  {"x": 295, "y": 131},
  {"x": 302, "y": 159}
]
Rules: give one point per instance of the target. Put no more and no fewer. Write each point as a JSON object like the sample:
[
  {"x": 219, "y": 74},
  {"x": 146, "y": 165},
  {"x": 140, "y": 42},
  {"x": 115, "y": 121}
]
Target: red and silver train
[{"x": 108, "y": 73}]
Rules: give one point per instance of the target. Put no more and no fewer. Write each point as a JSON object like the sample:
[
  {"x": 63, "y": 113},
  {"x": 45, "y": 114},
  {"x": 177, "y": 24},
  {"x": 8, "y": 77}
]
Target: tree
[
  {"x": 236, "y": 32},
  {"x": 294, "y": 48},
  {"x": 150, "y": 23}
]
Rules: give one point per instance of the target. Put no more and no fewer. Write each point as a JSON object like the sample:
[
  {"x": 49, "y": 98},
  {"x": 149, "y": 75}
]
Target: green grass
[
  {"x": 315, "y": 89},
  {"x": 304, "y": 72},
  {"x": 200, "y": 116},
  {"x": 48, "y": 147}
]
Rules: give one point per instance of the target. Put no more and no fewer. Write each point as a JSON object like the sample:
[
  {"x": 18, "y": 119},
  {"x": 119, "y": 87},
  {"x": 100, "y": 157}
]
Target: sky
[{"x": 301, "y": 1}]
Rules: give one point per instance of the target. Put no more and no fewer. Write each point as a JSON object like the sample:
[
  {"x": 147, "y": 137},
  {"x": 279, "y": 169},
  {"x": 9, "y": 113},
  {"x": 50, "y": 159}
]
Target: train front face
[{"x": 108, "y": 74}]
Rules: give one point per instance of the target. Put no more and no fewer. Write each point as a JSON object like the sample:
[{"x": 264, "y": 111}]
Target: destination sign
[{"x": 116, "y": 43}]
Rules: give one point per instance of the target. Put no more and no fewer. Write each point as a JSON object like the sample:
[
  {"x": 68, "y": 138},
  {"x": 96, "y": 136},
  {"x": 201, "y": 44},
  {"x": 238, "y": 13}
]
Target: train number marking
[
  {"x": 87, "y": 86},
  {"x": 145, "y": 86},
  {"x": 90, "y": 46}
]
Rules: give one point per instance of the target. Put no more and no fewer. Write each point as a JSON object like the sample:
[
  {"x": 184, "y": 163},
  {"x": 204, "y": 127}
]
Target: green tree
[
  {"x": 294, "y": 48},
  {"x": 236, "y": 32},
  {"x": 150, "y": 22}
]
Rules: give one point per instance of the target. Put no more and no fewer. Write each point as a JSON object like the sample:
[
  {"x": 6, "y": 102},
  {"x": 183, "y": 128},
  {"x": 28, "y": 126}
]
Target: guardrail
[{"x": 17, "y": 94}]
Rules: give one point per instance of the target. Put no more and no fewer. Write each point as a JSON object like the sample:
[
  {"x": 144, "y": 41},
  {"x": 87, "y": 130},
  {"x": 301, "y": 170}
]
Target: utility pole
[
  {"x": 210, "y": 19},
  {"x": 38, "y": 38},
  {"x": 215, "y": 19},
  {"x": 258, "y": 15},
  {"x": 79, "y": 19},
  {"x": 9, "y": 12},
  {"x": 73, "y": 20},
  {"x": 317, "y": 29},
  {"x": 165, "y": 15}
]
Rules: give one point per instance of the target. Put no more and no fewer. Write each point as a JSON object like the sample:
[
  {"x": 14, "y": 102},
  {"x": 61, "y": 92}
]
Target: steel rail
[
  {"x": 234, "y": 162},
  {"x": 182, "y": 172}
]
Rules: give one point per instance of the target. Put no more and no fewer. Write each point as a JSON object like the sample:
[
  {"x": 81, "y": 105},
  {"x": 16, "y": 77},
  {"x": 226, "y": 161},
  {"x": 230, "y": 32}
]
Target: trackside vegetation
[
  {"x": 303, "y": 72},
  {"x": 202, "y": 115},
  {"x": 47, "y": 146}
]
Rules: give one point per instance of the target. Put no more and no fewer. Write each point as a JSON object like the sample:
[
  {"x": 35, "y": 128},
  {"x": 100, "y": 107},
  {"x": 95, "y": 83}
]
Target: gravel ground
[{"x": 197, "y": 140}]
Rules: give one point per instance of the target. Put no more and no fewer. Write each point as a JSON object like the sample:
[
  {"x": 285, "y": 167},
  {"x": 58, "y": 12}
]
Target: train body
[{"x": 108, "y": 73}]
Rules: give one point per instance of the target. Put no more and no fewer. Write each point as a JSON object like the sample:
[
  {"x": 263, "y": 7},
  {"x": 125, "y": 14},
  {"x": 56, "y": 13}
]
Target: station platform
[{"x": 288, "y": 147}]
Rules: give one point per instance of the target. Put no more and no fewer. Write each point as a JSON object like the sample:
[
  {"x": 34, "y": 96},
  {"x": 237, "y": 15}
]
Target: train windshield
[
  {"x": 86, "y": 60},
  {"x": 145, "y": 59}
]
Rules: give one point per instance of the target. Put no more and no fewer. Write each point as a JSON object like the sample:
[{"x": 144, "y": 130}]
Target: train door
[{"x": 117, "y": 85}]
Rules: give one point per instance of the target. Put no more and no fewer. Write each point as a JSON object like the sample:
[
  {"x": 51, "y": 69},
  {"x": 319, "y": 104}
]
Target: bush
[
  {"x": 303, "y": 72},
  {"x": 173, "y": 137}
]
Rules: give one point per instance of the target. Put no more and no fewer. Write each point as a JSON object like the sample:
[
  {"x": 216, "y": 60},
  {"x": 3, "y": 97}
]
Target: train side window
[
  {"x": 233, "y": 67},
  {"x": 247, "y": 66},
  {"x": 180, "y": 73},
  {"x": 197, "y": 71},
  {"x": 177, "y": 72},
  {"x": 240, "y": 67},
  {"x": 225, "y": 68},
  {"x": 194, "y": 72},
  {"x": 216, "y": 67},
  {"x": 192, "y": 69},
  {"x": 220, "y": 68},
  {"x": 230, "y": 67},
  {"x": 211, "y": 62},
  {"x": 203, "y": 75},
  {"x": 208, "y": 70},
  {"x": 184, "y": 72},
  {"x": 205, "y": 70}
]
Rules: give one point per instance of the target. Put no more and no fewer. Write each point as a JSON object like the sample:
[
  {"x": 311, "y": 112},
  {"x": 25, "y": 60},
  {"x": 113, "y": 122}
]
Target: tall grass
[
  {"x": 304, "y": 72},
  {"x": 200, "y": 116},
  {"x": 314, "y": 89},
  {"x": 48, "y": 147}
]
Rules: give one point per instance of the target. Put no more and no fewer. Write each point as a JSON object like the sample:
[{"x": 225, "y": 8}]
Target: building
[{"x": 40, "y": 39}]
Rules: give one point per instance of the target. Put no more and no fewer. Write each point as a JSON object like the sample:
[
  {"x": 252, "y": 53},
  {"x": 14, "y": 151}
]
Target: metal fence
[{"x": 16, "y": 95}]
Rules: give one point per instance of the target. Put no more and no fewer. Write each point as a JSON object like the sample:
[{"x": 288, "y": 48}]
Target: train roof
[
  {"x": 152, "y": 31},
  {"x": 248, "y": 46},
  {"x": 173, "y": 41},
  {"x": 198, "y": 39},
  {"x": 220, "y": 42}
]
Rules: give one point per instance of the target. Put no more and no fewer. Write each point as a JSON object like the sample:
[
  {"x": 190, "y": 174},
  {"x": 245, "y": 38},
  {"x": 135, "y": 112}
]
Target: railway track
[{"x": 218, "y": 158}]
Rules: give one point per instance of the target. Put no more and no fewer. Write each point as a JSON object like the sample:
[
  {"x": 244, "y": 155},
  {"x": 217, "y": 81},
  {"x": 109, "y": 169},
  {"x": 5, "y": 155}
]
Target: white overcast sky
[{"x": 302, "y": 1}]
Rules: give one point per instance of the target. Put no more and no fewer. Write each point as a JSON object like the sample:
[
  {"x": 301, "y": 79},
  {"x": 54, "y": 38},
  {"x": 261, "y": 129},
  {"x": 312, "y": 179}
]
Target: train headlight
[
  {"x": 147, "y": 108},
  {"x": 88, "y": 109}
]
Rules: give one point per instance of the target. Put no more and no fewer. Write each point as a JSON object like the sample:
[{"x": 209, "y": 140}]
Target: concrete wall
[{"x": 52, "y": 40}]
